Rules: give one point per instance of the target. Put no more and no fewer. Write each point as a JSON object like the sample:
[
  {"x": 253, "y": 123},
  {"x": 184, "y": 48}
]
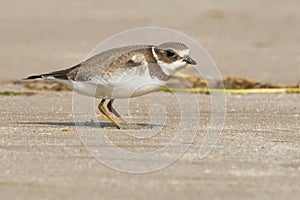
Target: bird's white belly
[{"x": 128, "y": 86}]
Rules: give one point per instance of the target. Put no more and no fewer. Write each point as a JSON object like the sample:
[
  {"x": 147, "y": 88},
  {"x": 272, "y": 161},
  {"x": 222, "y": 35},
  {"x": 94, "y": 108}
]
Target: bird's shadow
[{"x": 90, "y": 124}]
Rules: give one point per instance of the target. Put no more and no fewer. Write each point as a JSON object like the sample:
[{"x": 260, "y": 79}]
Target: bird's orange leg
[
  {"x": 102, "y": 109},
  {"x": 113, "y": 111}
]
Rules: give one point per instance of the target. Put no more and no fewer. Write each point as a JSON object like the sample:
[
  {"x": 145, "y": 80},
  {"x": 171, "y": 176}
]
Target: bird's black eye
[{"x": 170, "y": 53}]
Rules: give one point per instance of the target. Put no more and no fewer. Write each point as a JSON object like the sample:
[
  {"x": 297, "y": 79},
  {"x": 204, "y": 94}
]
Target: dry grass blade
[
  {"x": 233, "y": 91},
  {"x": 11, "y": 93}
]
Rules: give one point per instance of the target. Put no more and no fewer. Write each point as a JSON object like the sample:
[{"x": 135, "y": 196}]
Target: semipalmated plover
[{"x": 123, "y": 72}]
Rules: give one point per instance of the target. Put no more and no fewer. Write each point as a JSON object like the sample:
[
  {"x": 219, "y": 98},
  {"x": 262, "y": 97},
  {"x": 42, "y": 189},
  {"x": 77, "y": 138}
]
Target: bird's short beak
[{"x": 190, "y": 61}]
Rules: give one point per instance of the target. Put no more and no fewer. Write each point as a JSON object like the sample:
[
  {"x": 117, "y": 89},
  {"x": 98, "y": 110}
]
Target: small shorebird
[{"x": 123, "y": 72}]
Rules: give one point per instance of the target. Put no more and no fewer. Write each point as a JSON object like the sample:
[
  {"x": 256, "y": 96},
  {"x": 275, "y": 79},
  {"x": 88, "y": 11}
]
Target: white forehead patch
[{"x": 183, "y": 53}]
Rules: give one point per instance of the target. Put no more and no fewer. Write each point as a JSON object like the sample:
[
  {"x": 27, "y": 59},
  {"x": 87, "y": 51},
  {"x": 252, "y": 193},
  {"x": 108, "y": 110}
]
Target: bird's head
[{"x": 172, "y": 56}]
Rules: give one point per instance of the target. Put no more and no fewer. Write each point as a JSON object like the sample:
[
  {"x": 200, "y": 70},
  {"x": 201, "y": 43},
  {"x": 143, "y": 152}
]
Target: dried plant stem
[{"x": 233, "y": 91}]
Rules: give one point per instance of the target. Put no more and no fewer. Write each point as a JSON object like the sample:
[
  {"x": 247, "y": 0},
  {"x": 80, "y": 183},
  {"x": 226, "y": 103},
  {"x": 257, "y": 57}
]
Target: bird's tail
[
  {"x": 61, "y": 74},
  {"x": 41, "y": 76}
]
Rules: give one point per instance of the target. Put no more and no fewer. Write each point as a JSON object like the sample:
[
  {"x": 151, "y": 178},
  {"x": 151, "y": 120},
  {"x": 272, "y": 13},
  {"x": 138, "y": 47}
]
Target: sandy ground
[{"x": 257, "y": 155}]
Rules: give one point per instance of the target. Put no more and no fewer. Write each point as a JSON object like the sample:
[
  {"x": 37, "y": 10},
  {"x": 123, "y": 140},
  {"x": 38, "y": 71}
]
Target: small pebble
[{"x": 65, "y": 129}]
